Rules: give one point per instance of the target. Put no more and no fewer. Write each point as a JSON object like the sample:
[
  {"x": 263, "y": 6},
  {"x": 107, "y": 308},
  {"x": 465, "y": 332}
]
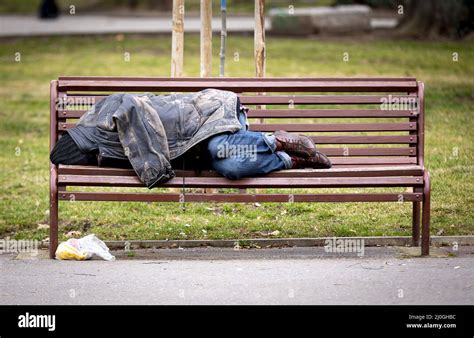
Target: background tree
[
  {"x": 427, "y": 18},
  {"x": 434, "y": 18}
]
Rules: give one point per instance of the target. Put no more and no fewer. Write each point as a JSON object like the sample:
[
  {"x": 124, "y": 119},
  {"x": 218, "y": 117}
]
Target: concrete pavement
[
  {"x": 19, "y": 25},
  {"x": 256, "y": 276},
  {"x": 28, "y": 25}
]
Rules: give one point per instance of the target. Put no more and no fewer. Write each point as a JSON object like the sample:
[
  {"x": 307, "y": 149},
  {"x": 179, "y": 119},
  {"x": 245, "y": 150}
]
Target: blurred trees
[
  {"x": 164, "y": 5},
  {"x": 428, "y": 18},
  {"x": 371, "y": 3},
  {"x": 433, "y": 18}
]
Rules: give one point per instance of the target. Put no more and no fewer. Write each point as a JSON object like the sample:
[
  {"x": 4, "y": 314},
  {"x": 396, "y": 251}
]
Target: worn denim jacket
[{"x": 150, "y": 130}]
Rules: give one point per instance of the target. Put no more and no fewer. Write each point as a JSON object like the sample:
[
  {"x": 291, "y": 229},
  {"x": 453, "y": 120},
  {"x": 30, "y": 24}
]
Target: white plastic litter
[{"x": 83, "y": 248}]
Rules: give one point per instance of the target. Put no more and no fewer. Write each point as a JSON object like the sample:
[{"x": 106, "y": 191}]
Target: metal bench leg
[
  {"x": 416, "y": 220},
  {"x": 425, "y": 230},
  {"x": 53, "y": 211}
]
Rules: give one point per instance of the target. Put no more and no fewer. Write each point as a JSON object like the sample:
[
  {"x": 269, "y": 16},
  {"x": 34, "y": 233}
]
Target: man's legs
[{"x": 246, "y": 153}]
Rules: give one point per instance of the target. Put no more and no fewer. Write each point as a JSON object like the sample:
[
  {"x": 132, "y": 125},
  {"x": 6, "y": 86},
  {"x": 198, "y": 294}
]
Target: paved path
[
  {"x": 16, "y": 25},
  {"x": 225, "y": 276},
  {"x": 24, "y": 25}
]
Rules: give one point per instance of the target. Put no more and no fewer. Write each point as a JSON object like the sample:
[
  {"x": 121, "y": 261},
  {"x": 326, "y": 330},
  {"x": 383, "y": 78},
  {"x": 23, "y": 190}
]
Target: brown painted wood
[
  {"x": 238, "y": 198},
  {"x": 425, "y": 219},
  {"x": 416, "y": 217},
  {"x": 372, "y": 160},
  {"x": 364, "y": 139},
  {"x": 330, "y": 113},
  {"x": 296, "y": 113},
  {"x": 360, "y": 171},
  {"x": 233, "y": 79},
  {"x": 333, "y": 139},
  {"x": 333, "y": 127},
  {"x": 83, "y": 98},
  {"x": 260, "y": 182},
  {"x": 372, "y": 140},
  {"x": 385, "y": 151},
  {"x": 322, "y": 99},
  {"x": 300, "y": 127},
  {"x": 288, "y": 84},
  {"x": 421, "y": 124},
  {"x": 71, "y": 114},
  {"x": 53, "y": 174}
]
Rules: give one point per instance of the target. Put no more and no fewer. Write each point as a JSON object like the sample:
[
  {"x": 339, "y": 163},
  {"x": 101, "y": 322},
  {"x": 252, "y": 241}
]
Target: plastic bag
[{"x": 83, "y": 248}]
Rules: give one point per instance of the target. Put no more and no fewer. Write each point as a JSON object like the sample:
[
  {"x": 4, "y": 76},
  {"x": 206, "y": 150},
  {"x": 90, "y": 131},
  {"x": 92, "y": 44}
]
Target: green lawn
[{"x": 24, "y": 118}]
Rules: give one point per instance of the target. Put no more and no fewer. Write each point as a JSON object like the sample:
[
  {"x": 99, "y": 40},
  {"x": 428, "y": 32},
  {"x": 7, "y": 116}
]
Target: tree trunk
[{"x": 434, "y": 18}]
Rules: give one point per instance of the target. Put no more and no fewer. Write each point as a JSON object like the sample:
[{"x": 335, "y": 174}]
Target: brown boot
[
  {"x": 294, "y": 144},
  {"x": 319, "y": 161}
]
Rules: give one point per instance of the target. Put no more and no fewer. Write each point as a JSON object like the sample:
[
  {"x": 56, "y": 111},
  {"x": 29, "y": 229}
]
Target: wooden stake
[
  {"x": 259, "y": 44},
  {"x": 177, "y": 46},
  {"x": 206, "y": 38},
  {"x": 259, "y": 38},
  {"x": 259, "y": 49},
  {"x": 177, "y": 39},
  {"x": 206, "y": 50}
]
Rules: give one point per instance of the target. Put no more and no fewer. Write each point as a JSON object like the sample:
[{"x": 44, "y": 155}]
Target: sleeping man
[{"x": 203, "y": 130}]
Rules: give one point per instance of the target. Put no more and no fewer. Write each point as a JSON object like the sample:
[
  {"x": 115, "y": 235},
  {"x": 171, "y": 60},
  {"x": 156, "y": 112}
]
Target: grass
[{"x": 24, "y": 119}]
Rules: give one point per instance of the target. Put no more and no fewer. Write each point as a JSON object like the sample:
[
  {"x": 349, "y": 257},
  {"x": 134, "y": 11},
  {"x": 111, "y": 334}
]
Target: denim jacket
[{"x": 150, "y": 130}]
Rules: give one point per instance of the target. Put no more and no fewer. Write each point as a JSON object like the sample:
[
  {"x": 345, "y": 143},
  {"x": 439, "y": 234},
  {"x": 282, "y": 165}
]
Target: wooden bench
[{"x": 371, "y": 128}]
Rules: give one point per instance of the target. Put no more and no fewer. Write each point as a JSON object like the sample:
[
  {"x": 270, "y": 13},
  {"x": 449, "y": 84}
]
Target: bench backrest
[{"x": 355, "y": 121}]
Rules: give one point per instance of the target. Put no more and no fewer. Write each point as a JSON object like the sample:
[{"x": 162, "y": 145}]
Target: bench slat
[
  {"x": 330, "y": 113},
  {"x": 238, "y": 85},
  {"x": 295, "y": 113},
  {"x": 364, "y": 139},
  {"x": 233, "y": 79},
  {"x": 237, "y": 198},
  {"x": 407, "y": 151},
  {"x": 260, "y": 182},
  {"x": 327, "y": 99},
  {"x": 334, "y": 127},
  {"x": 372, "y": 151},
  {"x": 409, "y": 139},
  {"x": 309, "y": 127},
  {"x": 367, "y": 171},
  {"x": 372, "y": 160},
  {"x": 90, "y": 99}
]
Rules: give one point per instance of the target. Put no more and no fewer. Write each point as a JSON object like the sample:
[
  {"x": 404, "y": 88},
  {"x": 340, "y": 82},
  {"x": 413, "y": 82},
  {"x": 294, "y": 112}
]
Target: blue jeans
[{"x": 246, "y": 153}]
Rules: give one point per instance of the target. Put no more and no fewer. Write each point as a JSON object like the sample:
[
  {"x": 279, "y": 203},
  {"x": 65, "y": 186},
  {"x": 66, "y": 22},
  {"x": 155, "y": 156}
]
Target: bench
[{"x": 371, "y": 128}]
